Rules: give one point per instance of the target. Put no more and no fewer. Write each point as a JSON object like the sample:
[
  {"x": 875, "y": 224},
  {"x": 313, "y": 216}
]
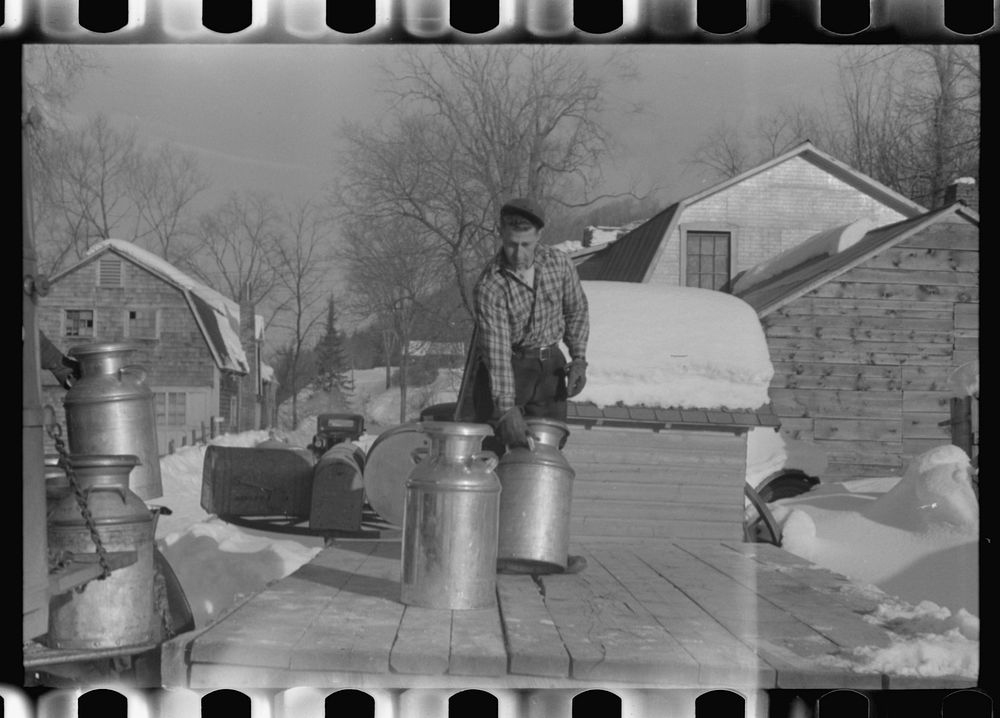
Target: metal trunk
[
  {"x": 120, "y": 609},
  {"x": 535, "y": 504},
  {"x": 450, "y": 521},
  {"x": 110, "y": 410}
]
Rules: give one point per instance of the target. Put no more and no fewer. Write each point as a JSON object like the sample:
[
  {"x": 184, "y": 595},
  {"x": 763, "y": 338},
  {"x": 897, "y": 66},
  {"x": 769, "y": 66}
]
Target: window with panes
[
  {"x": 79, "y": 323},
  {"x": 171, "y": 408},
  {"x": 708, "y": 256}
]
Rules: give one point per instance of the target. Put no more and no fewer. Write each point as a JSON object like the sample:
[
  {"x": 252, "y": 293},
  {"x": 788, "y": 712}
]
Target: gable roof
[
  {"x": 772, "y": 294},
  {"x": 632, "y": 258},
  {"x": 217, "y": 316}
]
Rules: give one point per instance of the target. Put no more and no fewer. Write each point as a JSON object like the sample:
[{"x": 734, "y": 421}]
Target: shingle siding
[{"x": 772, "y": 211}]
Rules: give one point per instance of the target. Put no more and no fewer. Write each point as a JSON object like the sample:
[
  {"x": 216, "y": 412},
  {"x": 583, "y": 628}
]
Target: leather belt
[{"x": 541, "y": 353}]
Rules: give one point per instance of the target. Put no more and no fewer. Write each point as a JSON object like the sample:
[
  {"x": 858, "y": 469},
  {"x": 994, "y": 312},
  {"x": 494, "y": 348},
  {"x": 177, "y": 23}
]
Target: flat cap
[{"x": 527, "y": 208}]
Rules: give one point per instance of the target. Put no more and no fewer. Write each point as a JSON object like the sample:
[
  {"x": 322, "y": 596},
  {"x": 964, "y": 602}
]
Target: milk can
[
  {"x": 118, "y": 610},
  {"x": 450, "y": 521},
  {"x": 537, "y": 486},
  {"x": 110, "y": 410}
]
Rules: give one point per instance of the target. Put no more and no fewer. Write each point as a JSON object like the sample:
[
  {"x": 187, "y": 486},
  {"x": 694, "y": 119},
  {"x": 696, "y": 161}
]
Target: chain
[
  {"x": 162, "y": 603},
  {"x": 55, "y": 433}
]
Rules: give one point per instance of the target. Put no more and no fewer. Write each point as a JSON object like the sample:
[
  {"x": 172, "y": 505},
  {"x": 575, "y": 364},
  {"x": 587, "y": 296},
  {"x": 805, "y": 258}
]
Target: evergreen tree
[{"x": 332, "y": 365}]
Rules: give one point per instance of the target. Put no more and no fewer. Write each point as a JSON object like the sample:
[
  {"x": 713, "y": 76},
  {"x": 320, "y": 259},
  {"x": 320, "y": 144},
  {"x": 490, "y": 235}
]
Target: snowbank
[
  {"x": 673, "y": 346},
  {"x": 916, "y": 537}
]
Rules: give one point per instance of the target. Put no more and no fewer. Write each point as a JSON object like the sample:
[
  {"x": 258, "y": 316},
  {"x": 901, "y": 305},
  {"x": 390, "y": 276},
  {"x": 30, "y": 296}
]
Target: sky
[{"x": 266, "y": 116}]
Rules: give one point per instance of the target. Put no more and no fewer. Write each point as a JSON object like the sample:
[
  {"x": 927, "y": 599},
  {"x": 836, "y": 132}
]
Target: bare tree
[
  {"x": 237, "y": 242},
  {"x": 301, "y": 263},
  {"x": 908, "y": 116},
  {"x": 393, "y": 276},
  {"x": 165, "y": 185},
  {"x": 472, "y": 126}
]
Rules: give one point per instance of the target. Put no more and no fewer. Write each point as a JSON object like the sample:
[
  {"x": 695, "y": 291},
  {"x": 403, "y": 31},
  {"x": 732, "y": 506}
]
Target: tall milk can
[
  {"x": 118, "y": 610},
  {"x": 110, "y": 410},
  {"x": 450, "y": 521},
  {"x": 535, "y": 502}
]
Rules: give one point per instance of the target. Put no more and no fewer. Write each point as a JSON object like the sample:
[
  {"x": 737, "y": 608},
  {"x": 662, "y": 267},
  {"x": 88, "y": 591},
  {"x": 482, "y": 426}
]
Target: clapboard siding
[
  {"x": 862, "y": 362},
  {"x": 645, "y": 484}
]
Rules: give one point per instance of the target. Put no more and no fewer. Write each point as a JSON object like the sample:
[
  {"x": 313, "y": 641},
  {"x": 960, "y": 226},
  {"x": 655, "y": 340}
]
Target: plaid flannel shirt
[{"x": 511, "y": 314}]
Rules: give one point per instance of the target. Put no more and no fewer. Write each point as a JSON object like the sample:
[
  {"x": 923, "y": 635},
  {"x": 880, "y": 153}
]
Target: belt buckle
[{"x": 543, "y": 353}]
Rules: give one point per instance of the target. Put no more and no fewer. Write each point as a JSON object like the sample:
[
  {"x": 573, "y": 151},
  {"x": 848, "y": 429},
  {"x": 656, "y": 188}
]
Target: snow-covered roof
[
  {"x": 822, "y": 244},
  {"x": 672, "y": 346},
  {"x": 217, "y": 316},
  {"x": 776, "y": 289}
]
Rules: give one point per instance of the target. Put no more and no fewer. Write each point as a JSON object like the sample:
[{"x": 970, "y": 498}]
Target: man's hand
[
  {"x": 512, "y": 429},
  {"x": 576, "y": 377}
]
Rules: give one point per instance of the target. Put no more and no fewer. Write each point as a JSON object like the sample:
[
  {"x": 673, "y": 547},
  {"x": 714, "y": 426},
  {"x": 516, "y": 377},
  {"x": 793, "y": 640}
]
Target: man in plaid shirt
[{"x": 527, "y": 299}]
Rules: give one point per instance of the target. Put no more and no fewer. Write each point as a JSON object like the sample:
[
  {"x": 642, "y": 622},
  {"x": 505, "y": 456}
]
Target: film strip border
[
  {"x": 289, "y": 21},
  {"x": 547, "y": 703}
]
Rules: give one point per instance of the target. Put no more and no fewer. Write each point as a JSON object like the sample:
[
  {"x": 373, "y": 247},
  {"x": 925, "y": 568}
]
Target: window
[
  {"x": 171, "y": 408},
  {"x": 79, "y": 323},
  {"x": 707, "y": 260},
  {"x": 141, "y": 323},
  {"x": 109, "y": 272}
]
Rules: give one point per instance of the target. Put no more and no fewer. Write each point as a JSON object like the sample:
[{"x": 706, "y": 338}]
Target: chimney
[
  {"x": 962, "y": 190},
  {"x": 249, "y": 417}
]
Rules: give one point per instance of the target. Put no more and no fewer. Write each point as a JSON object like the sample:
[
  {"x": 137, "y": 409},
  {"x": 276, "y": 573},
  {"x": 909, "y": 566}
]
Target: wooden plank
[
  {"x": 927, "y": 401},
  {"x": 799, "y": 375},
  {"x": 423, "y": 641},
  {"x": 902, "y": 292},
  {"x": 855, "y": 355},
  {"x": 927, "y": 426},
  {"x": 611, "y": 636},
  {"x": 693, "y": 440},
  {"x": 666, "y": 475},
  {"x": 835, "y": 403},
  {"x": 939, "y": 277},
  {"x": 806, "y": 324},
  {"x": 591, "y": 527},
  {"x": 926, "y": 378},
  {"x": 837, "y": 627},
  {"x": 533, "y": 643},
  {"x": 265, "y": 629},
  {"x": 357, "y": 628},
  {"x": 811, "y": 332},
  {"x": 610, "y": 487},
  {"x": 477, "y": 643},
  {"x": 722, "y": 658},
  {"x": 967, "y": 316},
  {"x": 912, "y": 258},
  {"x": 945, "y": 237},
  {"x": 845, "y": 306},
  {"x": 903, "y": 348},
  {"x": 870, "y": 429},
  {"x": 651, "y": 509}
]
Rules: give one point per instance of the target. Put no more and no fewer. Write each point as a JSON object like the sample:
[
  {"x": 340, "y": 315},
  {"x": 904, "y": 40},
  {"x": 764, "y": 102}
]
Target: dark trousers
[{"x": 539, "y": 389}]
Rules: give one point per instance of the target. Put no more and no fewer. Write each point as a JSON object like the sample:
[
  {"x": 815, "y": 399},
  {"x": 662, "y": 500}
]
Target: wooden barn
[
  {"x": 866, "y": 341},
  {"x": 203, "y": 362}
]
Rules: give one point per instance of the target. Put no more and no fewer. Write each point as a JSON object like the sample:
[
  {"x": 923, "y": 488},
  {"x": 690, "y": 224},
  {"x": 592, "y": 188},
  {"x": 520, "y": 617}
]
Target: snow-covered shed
[
  {"x": 868, "y": 330},
  {"x": 659, "y": 434},
  {"x": 189, "y": 333}
]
